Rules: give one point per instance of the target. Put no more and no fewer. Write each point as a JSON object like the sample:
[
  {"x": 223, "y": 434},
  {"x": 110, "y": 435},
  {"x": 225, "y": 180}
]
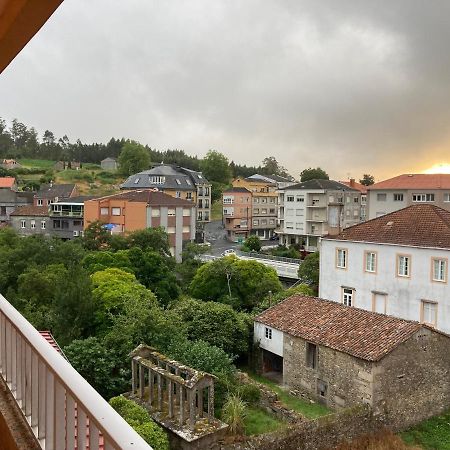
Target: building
[
  {"x": 139, "y": 209},
  {"x": 264, "y": 199},
  {"x": 108, "y": 164},
  {"x": 67, "y": 217},
  {"x": 404, "y": 190},
  {"x": 343, "y": 356},
  {"x": 53, "y": 193},
  {"x": 11, "y": 198},
  {"x": 177, "y": 182},
  {"x": 237, "y": 213},
  {"x": 281, "y": 182},
  {"x": 396, "y": 264},
  {"x": 363, "y": 189},
  {"x": 10, "y": 164},
  {"x": 316, "y": 208},
  {"x": 31, "y": 220},
  {"x": 64, "y": 165}
]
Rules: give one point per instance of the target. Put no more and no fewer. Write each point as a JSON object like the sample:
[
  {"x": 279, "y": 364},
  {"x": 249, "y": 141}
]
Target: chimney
[{"x": 352, "y": 182}]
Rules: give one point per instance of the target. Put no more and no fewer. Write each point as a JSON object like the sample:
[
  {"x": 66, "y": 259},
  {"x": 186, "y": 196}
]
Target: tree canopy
[
  {"x": 367, "y": 179},
  {"x": 309, "y": 270},
  {"x": 216, "y": 167},
  {"x": 313, "y": 174},
  {"x": 133, "y": 158}
]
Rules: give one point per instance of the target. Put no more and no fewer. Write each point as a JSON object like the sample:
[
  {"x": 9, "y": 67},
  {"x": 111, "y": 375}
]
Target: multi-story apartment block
[
  {"x": 140, "y": 209},
  {"x": 31, "y": 220},
  {"x": 396, "y": 264},
  {"x": 363, "y": 189},
  {"x": 177, "y": 182},
  {"x": 316, "y": 208},
  {"x": 52, "y": 193},
  {"x": 237, "y": 213},
  {"x": 404, "y": 190},
  {"x": 11, "y": 198},
  {"x": 264, "y": 205}
]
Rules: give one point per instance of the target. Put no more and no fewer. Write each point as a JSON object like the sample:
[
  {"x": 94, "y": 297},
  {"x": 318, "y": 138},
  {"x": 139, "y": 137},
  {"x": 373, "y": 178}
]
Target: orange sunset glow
[{"x": 439, "y": 168}]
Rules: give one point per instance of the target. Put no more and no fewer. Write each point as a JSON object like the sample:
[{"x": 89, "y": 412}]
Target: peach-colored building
[
  {"x": 140, "y": 209},
  {"x": 237, "y": 212}
]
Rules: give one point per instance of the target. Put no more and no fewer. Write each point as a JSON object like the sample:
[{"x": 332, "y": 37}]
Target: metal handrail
[
  {"x": 269, "y": 257},
  {"x": 63, "y": 410}
]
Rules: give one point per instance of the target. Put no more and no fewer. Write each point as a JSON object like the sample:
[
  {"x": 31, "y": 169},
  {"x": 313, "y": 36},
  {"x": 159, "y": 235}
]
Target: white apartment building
[
  {"x": 316, "y": 208},
  {"x": 396, "y": 264},
  {"x": 404, "y": 190}
]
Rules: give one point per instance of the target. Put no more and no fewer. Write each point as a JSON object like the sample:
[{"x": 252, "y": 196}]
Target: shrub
[
  {"x": 141, "y": 421},
  {"x": 233, "y": 413},
  {"x": 249, "y": 393}
]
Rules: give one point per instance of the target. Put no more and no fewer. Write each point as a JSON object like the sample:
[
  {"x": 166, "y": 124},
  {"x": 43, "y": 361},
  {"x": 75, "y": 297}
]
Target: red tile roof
[
  {"x": 361, "y": 188},
  {"x": 414, "y": 181},
  {"x": 363, "y": 334},
  {"x": 422, "y": 225},
  {"x": 51, "y": 340},
  {"x": 30, "y": 210},
  {"x": 7, "y": 182}
]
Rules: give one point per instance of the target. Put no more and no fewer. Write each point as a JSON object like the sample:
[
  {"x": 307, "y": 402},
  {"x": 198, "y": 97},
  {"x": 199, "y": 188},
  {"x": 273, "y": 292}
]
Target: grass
[
  {"x": 37, "y": 163},
  {"x": 304, "y": 407},
  {"x": 216, "y": 210},
  {"x": 258, "y": 421},
  {"x": 384, "y": 440},
  {"x": 432, "y": 434}
]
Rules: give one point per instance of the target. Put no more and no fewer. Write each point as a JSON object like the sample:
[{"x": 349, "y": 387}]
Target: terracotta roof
[
  {"x": 364, "y": 334},
  {"x": 30, "y": 210},
  {"x": 422, "y": 225},
  {"x": 7, "y": 182},
  {"x": 51, "y": 340},
  {"x": 355, "y": 185},
  {"x": 149, "y": 196},
  {"x": 415, "y": 181}
]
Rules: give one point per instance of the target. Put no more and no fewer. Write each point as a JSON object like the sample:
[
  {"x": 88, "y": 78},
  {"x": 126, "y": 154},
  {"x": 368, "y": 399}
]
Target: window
[
  {"x": 290, "y": 225},
  {"x": 256, "y": 211},
  {"x": 56, "y": 224},
  {"x": 300, "y": 198},
  {"x": 264, "y": 200},
  {"x": 188, "y": 195},
  {"x": 311, "y": 355},
  {"x": 23, "y": 224},
  {"x": 206, "y": 203},
  {"x": 228, "y": 200},
  {"x": 170, "y": 230},
  {"x": 271, "y": 221},
  {"x": 290, "y": 198},
  {"x": 381, "y": 197},
  {"x": 403, "y": 266},
  {"x": 447, "y": 197},
  {"x": 347, "y": 296},
  {"x": 423, "y": 197},
  {"x": 200, "y": 203},
  {"x": 271, "y": 211},
  {"x": 255, "y": 200},
  {"x": 206, "y": 190},
  {"x": 177, "y": 181},
  {"x": 371, "y": 262},
  {"x": 156, "y": 179},
  {"x": 429, "y": 313},
  {"x": 263, "y": 221},
  {"x": 136, "y": 180},
  {"x": 104, "y": 211},
  {"x": 178, "y": 194},
  {"x": 299, "y": 212},
  {"x": 355, "y": 213},
  {"x": 264, "y": 211},
  {"x": 186, "y": 229},
  {"x": 115, "y": 211},
  {"x": 33, "y": 224},
  {"x": 298, "y": 226},
  {"x": 171, "y": 212},
  {"x": 156, "y": 212},
  {"x": 77, "y": 223},
  {"x": 272, "y": 200},
  {"x": 439, "y": 269},
  {"x": 268, "y": 332},
  {"x": 186, "y": 212},
  {"x": 255, "y": 222},
  {"x": 200, "y": 215},
  {"x": 43, "y": 224},
  {"x": 355, "y": 199},
  {"x": 348, "y": 199},
  {"x": 39, "y": 202},
  {"x": 341, "y": 258},
  {"x": 398, "y": 197},
  {"x": 76, "y": 233},
  {"x": 188, "y": 181}
]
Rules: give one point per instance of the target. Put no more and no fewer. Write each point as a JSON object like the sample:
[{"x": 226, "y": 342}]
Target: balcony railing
[
  {"x": 62, "y": 409},
  {"x": 66, "y": 213}
]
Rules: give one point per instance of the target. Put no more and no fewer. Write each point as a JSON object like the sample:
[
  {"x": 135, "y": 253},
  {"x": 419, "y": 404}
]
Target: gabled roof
[
  {"x": 354, "y": 184},
  {"x": 30, "y": 210},
  {"x": 320, "y": 185},
  {"x": 7, "y": 182},
  {"x": 108, "y": 159},
  {"x": 270, "y": 178},
  {"x": 422, "y": 225},
  {"x": 363, "y": 334},
  {"x": 414, "y": 181},
  {"x": 237, "y": 189},
  {"x": 149, "y": 196},
  {"x": 56, "y": 190}
]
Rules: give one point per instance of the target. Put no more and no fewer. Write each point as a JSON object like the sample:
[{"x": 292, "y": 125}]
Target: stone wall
[
  {"x": 412, "y": 383},
  {"x": 348, "y": 380}
]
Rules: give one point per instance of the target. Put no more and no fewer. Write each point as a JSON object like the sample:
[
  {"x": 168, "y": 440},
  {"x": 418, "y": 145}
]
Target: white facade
[
  {"x": 269, "y": 338},
  {"x": 372, "y": 279}
]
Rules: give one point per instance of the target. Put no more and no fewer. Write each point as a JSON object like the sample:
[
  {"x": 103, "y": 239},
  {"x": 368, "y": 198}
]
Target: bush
[
  {"x": 141, "y": 421},
  {"x": 249, "y": 393},
  {"x": 233, "y": 413}
]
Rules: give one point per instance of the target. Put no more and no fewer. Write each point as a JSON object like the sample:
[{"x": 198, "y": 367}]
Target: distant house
[
  {"x": 361, "y": 188},
  {"x": 51, "y": 193},
  {"x": 30, "y": 220},
  {"x": 343, "y": 356},
  {"x": 108, "y": 164},
  {"x": 11, "y": 198},
  {"x": 63, "y": 165},
  {"x": 10, "y": 164}
]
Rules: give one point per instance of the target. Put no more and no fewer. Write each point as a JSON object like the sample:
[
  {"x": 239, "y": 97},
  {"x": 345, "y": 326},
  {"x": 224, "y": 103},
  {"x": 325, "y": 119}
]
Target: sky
[{"x": 351, "y": 86}]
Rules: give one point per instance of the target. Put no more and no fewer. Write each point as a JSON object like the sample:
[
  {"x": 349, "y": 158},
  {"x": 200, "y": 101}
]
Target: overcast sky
[{"x": 351, "y": 86}]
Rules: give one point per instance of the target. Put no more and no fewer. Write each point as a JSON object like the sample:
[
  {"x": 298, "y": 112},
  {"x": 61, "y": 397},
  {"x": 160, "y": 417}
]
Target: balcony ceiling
[{"x": 20, "y": 20}]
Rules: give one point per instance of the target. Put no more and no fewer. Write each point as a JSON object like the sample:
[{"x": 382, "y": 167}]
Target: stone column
[
  {"x": 170, "y": 397},
  {"x": 150, "y": 387},
  {"x": 181, "y": 401},
  {"x": 211, "y": 401},
  {"x": 141, "y": 381},
  {"x": 200, "y": 402},
  {"x": 133, "y": 376},
  {"x": 191, "y": 400}
]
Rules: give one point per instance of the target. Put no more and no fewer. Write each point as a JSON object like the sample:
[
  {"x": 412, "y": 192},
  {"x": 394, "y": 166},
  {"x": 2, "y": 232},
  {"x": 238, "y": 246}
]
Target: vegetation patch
[
  {"x": 36, "y": 163},
  {"x": 258, "y": 421}
]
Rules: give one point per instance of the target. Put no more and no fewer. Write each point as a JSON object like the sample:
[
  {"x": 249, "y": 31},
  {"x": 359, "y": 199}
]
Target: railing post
[
  {"x": 50, "y": 412},
  {"x": 34, "y": 389},
  {"x": 42, "y": 400},
  {"x": 70, "y": 422},
  {"x": 59, "y": 415}
]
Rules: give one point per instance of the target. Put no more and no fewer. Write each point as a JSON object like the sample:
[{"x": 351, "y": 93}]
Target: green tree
[
  {"x": 190, "y": 263},
  {"x": 216, "y": 167},
  {"x": 97, "y": 261},
  {"x": 252, "y": 243},
  {"x": 133, "y": 158},
  {"x": 272, "y": 167},
  {"x": 96, "y": 236},
  {"x": 367, "y": 179},
  {"x": 309, "y": 270},
  {"x": 155, "y": 239},
  {"x": 313, "y": 174}
]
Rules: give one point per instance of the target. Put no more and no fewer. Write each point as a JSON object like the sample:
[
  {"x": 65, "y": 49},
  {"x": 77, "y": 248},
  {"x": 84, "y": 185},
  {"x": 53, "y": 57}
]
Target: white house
[
  {"x": 316, "y": 208},
  {"x": 396, "y": 264}
]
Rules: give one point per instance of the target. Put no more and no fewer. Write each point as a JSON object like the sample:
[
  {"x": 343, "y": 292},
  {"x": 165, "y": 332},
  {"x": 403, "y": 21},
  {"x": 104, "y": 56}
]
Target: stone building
[
  {"x": 50, "y": 193},
  {"x": 108, "y": 164},
  {"x": 11, "y": 198},
  {"x": 344, "y": 356},
  {"x": 30, "y": 220}
]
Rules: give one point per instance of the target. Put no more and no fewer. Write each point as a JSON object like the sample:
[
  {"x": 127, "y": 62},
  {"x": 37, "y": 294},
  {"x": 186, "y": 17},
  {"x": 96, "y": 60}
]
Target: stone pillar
[
  {"x": 141, "y": 381},
  {"x": 191, "y": 400},
  {"x": 160, "y": 393},
  {"x": 211, "y": 401},
  {"x": 150, "y": 387},
  {"x": 181, "y": 402},
  {"x": 133, "y": 376},
  {"x": 170, "y": 397},
  {"x": 200, "y": 402}
]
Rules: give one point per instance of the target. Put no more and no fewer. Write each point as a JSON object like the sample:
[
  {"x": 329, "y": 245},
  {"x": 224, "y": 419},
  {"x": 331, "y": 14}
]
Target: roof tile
[{"x": 414, "y": 181}]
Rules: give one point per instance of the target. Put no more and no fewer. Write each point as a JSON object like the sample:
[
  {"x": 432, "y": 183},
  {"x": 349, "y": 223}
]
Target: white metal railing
[{"x": 63, "y": 410}]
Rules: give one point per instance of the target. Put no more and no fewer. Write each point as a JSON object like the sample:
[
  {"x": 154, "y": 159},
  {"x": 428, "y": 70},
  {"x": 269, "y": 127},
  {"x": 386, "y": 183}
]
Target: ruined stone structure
[{"x": 179, "y": 397}]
